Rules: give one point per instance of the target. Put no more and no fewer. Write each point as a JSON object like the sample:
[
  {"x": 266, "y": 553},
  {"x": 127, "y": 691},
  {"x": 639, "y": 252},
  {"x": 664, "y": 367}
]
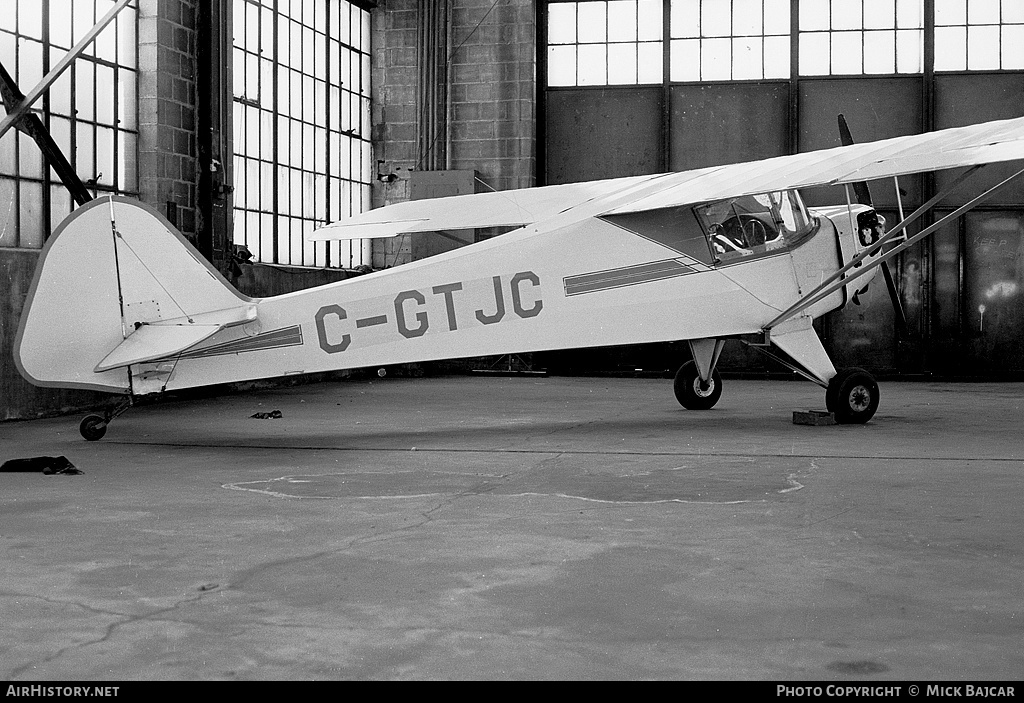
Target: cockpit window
[{"x": 754, "y": 224}]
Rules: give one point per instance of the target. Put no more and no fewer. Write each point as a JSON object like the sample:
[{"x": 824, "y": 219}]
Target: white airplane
[{"x": 122, "y": 303}]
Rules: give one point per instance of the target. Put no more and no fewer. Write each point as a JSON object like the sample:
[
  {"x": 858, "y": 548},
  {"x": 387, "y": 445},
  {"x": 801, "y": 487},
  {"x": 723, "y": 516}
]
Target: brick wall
[
  {"x": 167, "y": 109},
  {"x": 492, "y": 99}
]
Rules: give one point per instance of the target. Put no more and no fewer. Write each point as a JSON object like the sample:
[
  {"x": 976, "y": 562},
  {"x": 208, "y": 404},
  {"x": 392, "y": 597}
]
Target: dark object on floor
[
  {"x": 272, "y": 415},
  {"x": 813, "y": 417},
  {"x": 47, "y": 464}
]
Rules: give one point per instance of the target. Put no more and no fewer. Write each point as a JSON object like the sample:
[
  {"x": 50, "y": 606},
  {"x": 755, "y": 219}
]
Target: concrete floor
[{"x": 521, "y": 528}]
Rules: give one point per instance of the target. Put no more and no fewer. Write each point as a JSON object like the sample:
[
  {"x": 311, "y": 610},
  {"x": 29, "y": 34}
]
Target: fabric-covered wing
[
  {"x": 989, "y": 142},
  {"x": 511, "y": 207}
]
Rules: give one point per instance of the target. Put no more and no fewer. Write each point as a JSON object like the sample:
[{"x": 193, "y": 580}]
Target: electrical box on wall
[
  {"x": 441, "y": 184},
  {"x": 424, "y": 185}
]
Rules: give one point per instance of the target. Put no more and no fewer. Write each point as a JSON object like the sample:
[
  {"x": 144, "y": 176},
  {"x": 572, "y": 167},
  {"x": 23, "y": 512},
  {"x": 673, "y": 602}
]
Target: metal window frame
[
  {"x": 353, "y": 98},
  {"x": 966, "y": 25},
  {"x": 795, "y": 35},
  {"x": 636, "y": 43},
  {"x": 121, "y": 72}
]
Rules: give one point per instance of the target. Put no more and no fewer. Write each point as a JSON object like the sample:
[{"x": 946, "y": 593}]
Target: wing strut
[{"x": 833, "y": 282}]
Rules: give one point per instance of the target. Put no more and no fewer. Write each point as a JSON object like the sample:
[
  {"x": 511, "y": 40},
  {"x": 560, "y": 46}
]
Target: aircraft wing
[
  {"x": 989, "y": 142},
  {"x": 985, "y": 143},
  {"x": 511, "y": 207}
]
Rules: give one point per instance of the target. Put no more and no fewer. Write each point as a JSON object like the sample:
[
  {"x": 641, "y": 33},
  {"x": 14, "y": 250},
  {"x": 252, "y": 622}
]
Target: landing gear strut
[
  {"x": 852, "y": 395},
  {"x": 93, "y": 427}
]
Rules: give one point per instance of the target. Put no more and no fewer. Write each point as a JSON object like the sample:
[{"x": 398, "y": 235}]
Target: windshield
[{"x": 754, "y": 224}]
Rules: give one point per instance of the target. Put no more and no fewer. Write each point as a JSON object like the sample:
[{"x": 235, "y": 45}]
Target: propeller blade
[
  {"x": 899, "y": 317},
  {"x": 860, "y": 188}
]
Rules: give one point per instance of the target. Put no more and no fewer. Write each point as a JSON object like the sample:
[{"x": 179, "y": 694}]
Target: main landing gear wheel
[
  {"x": 694, "y": 394},
  {"x": 93, "y": 427},
  {"x": 853, "y": 396}
]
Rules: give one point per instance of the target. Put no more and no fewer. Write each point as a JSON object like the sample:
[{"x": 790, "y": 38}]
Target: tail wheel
[
  {"x": 93, "y": 427},
  {"x": 693, "y": 393},
  {"x": 853, "y": 396}
]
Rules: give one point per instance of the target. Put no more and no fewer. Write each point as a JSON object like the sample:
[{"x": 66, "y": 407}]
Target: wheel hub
[
  {"x": 859, "y": 398},
  {"x": 701, "y": 389}
]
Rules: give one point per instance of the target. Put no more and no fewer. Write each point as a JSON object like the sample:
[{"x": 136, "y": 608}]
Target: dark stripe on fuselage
[
  {"x": 626, "y": 276},
  {"x": 284, "y": 337}
]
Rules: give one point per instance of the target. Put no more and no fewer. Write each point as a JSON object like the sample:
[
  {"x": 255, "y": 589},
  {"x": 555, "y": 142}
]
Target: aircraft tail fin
[{"x": 118, "y": 285}]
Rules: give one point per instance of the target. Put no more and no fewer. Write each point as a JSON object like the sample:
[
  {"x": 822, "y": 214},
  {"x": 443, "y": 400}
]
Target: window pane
[
  {"x": 950, "y": 12},
  {"x": 950, "y": 48},
  {"x": 60, "y": 29},
  {"x": 650, "y": 62},
  {"x": 879, "y": 14},
  {"x": 1013, "y": 12},
  {"x": 60, "y": 91},
  {"x": 982, "y": 47},
  {"x": 105, "y": 95},
  {"x": 127, "y": 154},
  {"x": 30, "y": 210},
  {"x": 105, "y": 171},
  {"x": 814, "y": 54},
  {"x": 8, "y": 212},
  {"x": 983, "y": 12},
  {"x": 31, "y": 159},
  {"x": 621, "y": 64},
  {"x": 30, "y": 17},
  {"x": 60, "y": 130},
  {"x": 776, "y": 57},
  {"x": 715, "y": 20},
  {"x": 127, "y": 46},
  {"x": 747, "y": 62},
  {"x": 776, "y": 17},
  {"x": 8, "y": 161},
  {"x": 60, "y": 205},
  {"x": 593, "y": 64},
  {"x": 715, "y": 63},
  {"x": 622, "y": 21},
  {"x": 650, "y": 20},
  {"x": 561, "y": 65},
  {"x": 1013, "y": 47},
  {"x": 846, "y": 14},
  {"x": 30, "y": 63},
  {"x": 685, "y": 60},
  {"x": 592, "y": 22},
  {"x": 814, "y": 15},
  {"x": 561, "y": 23},
  {"x": 909, "y": 51},
  {"x": 879, "y": 52},
  {"x": 685, "y": 20},
  {"x": 847, "y": 52},
  {"x": 746, "y": 18},
  {"x": 909, "y": 14}
]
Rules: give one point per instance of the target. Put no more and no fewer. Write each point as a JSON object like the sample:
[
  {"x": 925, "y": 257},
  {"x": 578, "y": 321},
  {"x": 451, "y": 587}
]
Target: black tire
[
  {"x": 93, "y": 427},
  {"x": 852, "y": 396},
  {"x": 691, "y": 392}
]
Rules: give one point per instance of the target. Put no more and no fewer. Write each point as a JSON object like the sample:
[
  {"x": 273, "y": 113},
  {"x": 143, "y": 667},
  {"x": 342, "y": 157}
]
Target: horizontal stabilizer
[{"x": 151, "y": 342}]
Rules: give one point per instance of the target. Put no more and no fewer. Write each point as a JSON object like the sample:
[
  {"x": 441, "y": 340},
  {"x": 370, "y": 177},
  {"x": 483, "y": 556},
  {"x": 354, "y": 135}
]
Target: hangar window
[
  {"x": 605, "y": 43},
  {"x": 90, "y": 111},
  {"x": 859, "y": 37},
  {"x": 736, "y": 40},
  {"x": 979, "y": 35},
  {"x": 301, "y": 127}
]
